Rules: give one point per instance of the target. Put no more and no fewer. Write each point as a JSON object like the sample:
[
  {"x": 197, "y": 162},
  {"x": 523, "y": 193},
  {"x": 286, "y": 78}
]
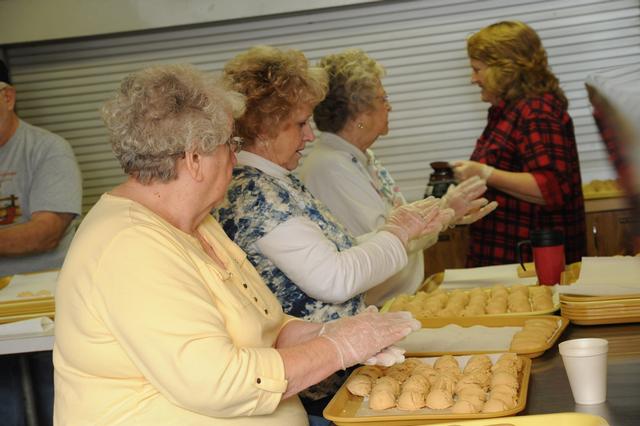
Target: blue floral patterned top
[{"x": 258, "y": 202}]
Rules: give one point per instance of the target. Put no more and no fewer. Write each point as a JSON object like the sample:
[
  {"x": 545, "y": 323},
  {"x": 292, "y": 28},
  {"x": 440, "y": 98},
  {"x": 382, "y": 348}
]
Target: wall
[
  {"x": 36, "y": 20},
  {"x": 437, "y": 114}
]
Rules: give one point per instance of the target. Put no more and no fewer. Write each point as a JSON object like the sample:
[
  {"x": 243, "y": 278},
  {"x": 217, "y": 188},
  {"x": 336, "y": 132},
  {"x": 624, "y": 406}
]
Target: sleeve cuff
[
  {"x": 269, "y": 379},
  {"x": 549, "y": 188}
]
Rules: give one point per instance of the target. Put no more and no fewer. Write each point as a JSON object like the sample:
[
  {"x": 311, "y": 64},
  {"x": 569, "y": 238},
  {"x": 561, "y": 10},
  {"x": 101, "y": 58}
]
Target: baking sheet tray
[
  {"x": 456, "y": 341},
  {"x": 557, "y": 419},
  {"x": 344, "y": 408},
  {"x": 555, "y": 298}
]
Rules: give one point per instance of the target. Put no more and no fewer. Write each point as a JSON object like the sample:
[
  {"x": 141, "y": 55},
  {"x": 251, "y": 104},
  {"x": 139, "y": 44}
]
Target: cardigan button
[
  {"x": 258, "y": 380},
  {"x": 266, "y": 311},
  {"x": 245, "y": 285},
  {"x": 255, "y": 299}
]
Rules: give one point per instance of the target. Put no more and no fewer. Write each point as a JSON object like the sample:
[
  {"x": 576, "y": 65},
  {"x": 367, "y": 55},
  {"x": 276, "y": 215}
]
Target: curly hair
[
  {"x": 516, "y": 61},
  {"x": 353, "y": 81},
  {"x": 161, "y": 112},
  {"x": 275, "y": 82}
]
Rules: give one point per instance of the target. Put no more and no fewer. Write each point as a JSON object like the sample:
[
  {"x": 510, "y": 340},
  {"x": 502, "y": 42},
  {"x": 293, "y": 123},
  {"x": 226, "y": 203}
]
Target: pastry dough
[
  {"x": 360, "y": 383},
  {"x": 384, "y": 393},
  {"x": 463, "y": 407},
  {"x": 494, "y": 406},
  {"x": 439, "y": 399}
]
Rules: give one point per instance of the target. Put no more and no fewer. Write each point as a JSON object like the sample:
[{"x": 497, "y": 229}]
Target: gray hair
[
  {"x": 353, "y": 79},
  {"x": 161, "y": 112}
]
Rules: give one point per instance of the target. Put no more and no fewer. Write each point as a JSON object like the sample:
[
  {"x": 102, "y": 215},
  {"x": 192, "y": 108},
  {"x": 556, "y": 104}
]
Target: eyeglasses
[
  {"x": 235, "y": 144},
  {"x": 384, "y": 98}
]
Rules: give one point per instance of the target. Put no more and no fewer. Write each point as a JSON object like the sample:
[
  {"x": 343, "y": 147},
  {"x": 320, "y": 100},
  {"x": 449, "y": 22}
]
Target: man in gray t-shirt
[
  {"x": 40, "y": 196},
  {"x": 40, "y": 193}
]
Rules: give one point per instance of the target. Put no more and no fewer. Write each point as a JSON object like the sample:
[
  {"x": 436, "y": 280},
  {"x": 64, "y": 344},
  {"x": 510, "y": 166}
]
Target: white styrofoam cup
[{"x": 585, "y": 361}]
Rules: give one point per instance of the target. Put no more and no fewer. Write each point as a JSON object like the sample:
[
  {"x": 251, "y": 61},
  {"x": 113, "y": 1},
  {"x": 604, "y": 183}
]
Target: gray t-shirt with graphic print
[{"x": 38, "y": 172}]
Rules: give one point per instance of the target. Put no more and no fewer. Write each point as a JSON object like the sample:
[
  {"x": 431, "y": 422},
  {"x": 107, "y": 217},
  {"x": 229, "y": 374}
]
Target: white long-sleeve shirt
[
  {"x": 299, "y": 248},
  {"x": 338, "y": 173}
]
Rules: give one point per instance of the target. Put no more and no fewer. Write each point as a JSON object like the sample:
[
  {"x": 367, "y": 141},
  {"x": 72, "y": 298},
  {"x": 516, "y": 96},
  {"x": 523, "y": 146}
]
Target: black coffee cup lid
[{"x": 546, "y": 237}]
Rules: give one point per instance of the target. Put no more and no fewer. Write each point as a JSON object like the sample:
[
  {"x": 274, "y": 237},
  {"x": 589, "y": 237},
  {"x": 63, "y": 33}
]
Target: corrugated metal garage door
[{"x": 436, "y": 114}]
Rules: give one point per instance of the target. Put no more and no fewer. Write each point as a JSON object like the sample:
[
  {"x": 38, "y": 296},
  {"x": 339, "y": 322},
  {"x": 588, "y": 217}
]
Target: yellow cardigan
[{"x": 149, "y": 331}]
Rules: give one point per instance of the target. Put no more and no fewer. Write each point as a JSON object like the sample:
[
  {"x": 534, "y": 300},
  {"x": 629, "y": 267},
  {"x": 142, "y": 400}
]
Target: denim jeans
[
  {"x": 318, "y": 421},
  {"x": 12, "y": 404}
]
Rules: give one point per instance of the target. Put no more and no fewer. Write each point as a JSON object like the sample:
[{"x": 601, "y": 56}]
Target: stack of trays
[
  {"x": 594, "y": 310},
  {"x": 26, "y": 299}
]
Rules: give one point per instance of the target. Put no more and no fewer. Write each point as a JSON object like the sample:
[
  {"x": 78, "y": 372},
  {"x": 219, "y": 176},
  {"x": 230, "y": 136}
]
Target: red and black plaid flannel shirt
[{"x": 535, "y": 136}]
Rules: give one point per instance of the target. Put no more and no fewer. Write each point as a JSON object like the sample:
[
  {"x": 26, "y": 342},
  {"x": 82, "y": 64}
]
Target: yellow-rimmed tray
[
  {"x": 343, "y": 408},
  {"x": 556, "y": 419},
  {"x": 514, "y": 321},
  {"x": 604, "y": 321},
  {"x": 602, "y": 310},
  {"x": 617, "y": 303},
  {"x": 14, "y": 318},
  {"x": 4, "y": 281},
  {"x": 582, "y": 299},
  {"x": 43, "y": 307},
  {"x": 555, "y": 299},
  {"x": 570, "y": 274}
]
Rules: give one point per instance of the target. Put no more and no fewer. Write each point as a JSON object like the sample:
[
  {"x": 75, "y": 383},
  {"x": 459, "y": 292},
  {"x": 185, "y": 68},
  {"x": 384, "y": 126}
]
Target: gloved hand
[
  {"x": 461, "y": 197},
  {"x": 360, "y": 337},
  {"x": 479, "y": 209},
  {"x": 387, "y": 357},
  {"x": 463, "y": 170},
  {"x": 414, "y": 220}
]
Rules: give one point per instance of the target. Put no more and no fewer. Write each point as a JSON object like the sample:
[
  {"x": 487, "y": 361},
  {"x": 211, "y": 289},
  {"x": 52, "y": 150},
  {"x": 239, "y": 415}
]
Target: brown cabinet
[
  {"x": 610, "y": 224},
  {"x": 450, "y": 251}
]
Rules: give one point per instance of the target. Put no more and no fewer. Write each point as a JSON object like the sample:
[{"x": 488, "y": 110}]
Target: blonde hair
[
  {"x": 161, "y": 112},
  {"x": 276, "y": 83},
  {"x": 516, "y": 61},
  {"x": 353, "y": 81}
]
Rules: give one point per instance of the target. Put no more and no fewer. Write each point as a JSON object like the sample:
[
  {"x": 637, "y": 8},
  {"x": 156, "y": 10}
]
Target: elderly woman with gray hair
[
  {"x": 160, "y": 318},
  {"x": 343, "y": 172}
]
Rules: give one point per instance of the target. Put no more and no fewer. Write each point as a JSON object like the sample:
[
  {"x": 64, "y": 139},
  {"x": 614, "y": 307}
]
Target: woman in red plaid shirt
[{"x": 527, "y": 152}]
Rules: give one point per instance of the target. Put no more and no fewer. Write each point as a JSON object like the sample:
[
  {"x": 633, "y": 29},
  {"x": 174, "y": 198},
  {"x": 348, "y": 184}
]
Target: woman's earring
[{"x": 360, "y": 126}]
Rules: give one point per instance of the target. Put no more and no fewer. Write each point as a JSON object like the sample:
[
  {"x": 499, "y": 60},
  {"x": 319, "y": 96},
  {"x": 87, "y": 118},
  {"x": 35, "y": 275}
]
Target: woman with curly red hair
[{"x": 527, "y": 151}]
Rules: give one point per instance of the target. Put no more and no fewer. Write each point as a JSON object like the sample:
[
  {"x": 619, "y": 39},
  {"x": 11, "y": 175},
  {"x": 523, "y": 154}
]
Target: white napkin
[
  {"x": 30, "y": 326},
  {"x": 455, "y": 338},
  {"x": 484, "y": 276},
  {"x": 606, "y": 276}
]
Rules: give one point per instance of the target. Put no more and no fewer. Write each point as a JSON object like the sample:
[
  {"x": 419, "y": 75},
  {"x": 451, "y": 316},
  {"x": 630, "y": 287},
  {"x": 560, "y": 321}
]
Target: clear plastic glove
[
  {"x": 461, "y": 197},
  {"x": 463, "y": 170},
  {"x": 479, "y": 209},
  {"x": 415, "y": 220},
  {"x": 360, "y": 337},
  {"x": 387, "y": 357}
]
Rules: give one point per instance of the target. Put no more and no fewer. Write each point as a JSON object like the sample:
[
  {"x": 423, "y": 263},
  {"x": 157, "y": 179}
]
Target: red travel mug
[{"x": 548, "y": 254}]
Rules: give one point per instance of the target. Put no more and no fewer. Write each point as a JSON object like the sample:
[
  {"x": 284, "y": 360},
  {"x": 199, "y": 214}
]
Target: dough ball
[
  {"x": 446, "y": 361},
  {"x": 463, "y": 407},
  {"x": 503, "y": 378},
  {"x": 412, "y": 400},
  {"x": 439, "y": 399},
  {"x": 494, "y": 406}
]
